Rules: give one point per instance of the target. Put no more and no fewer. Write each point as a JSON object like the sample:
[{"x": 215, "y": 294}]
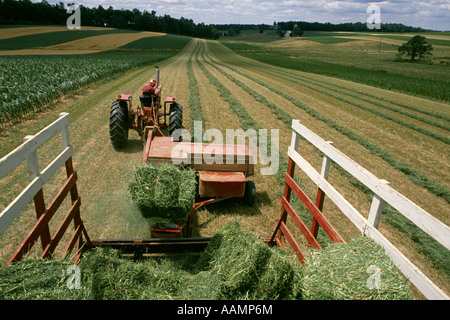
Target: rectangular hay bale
[{"x": 163, "y": 193}]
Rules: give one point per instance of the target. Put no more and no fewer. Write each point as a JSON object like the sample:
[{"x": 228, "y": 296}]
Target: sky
[{"x": 431, "y": 14}]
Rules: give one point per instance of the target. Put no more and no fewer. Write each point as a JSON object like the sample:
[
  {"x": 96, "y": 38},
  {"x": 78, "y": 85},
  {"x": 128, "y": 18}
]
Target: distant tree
[
  {"x": 416, "y": 47},
  {"x": 296, "y": 32},
  {"x": 281, "y": 32}
]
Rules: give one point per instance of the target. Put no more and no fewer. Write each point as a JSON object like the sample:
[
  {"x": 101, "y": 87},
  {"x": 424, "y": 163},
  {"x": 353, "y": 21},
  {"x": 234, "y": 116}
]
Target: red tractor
[{"x": 150, "y": 114}]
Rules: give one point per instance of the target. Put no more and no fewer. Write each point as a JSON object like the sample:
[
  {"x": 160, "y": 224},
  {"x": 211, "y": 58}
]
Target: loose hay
[
  {"x": 235, "y": 265},
  {"x": 359, "y": 270},
  {"x": 163, "y": 193}
]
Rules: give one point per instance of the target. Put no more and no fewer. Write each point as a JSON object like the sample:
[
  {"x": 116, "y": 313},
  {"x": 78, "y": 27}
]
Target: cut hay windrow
[
  {"x": 235, "y": 265},
  {"x": 163, "y": 193},
  {"x": 427, "y": 245},
  {"x": 412, "y": 126},
  {"x": 194, "y": 98},
  {"x": 415, "y": 176},
  {"x": 367, "y": 97}
]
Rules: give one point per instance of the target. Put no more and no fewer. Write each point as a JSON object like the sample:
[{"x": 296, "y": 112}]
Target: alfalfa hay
[
  {"x": 235, "y": 265},
  {"x": 358, "y": 270},
  {"x": 163, "y": 193},
  {"x": 248, "y": 268}
]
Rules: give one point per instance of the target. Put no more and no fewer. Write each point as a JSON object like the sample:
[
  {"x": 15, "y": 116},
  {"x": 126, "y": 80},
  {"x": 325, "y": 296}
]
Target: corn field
[{"x": 29, "y": 84}]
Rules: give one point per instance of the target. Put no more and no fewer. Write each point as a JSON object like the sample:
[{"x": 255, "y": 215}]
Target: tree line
[
  {"x": 43, "y": 13},
  {"x": 320, "y": 26}
]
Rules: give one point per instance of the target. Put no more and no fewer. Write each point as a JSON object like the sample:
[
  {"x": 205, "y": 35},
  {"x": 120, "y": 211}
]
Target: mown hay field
[{"x": 398, "y": 137}]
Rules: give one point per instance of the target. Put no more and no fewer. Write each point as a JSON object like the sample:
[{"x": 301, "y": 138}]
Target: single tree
[
  {"x": 416, "y": 47},
  {"x": 296, "y": 32}
]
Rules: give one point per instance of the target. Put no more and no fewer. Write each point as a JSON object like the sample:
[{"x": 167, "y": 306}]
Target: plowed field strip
[
  {"x": 195, "y": 107},
  {"x": 361, "y": 156},
  {"x": 368, "y": 125},
  {"x": 280, "y": 113}
]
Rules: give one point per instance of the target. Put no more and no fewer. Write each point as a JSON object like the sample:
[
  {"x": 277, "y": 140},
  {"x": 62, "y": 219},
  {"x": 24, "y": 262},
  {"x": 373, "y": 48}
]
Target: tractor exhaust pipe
[{"x": 157, "y": 76}]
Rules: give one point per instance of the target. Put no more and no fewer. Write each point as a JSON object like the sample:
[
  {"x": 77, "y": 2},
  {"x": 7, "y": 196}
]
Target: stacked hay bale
[
  {"x": 163, "y": 193},
  {"x": 235, "y": 265},
  {"x": 248, "y": 268}
]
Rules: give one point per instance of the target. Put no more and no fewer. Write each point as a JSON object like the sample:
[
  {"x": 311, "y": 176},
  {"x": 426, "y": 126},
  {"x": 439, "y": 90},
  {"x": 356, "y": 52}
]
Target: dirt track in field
[{"x": 103, "y": 171}]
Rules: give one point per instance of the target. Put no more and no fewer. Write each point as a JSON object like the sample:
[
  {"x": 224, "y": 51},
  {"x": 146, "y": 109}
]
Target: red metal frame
[
  {"x": 44, "y": 215},
  {"x": 282, "y": 232}
]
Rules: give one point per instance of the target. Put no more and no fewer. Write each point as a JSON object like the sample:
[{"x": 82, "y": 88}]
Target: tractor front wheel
[
  {"x": 175, "y": 121},
  {"x": 118, "y": 124}
]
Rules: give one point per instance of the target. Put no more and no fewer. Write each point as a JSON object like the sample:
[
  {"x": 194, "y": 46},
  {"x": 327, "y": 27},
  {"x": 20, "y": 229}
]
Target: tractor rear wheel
[
  {"x": 118, "y": 124},
  {"x": 175, "y": 121},
  {"x": 250, "y": 193}
]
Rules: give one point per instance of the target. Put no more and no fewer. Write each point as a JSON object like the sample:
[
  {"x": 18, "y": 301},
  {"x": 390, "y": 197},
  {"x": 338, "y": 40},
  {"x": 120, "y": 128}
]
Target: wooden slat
[
  {"x": 17, "y": 205},
  {"x": 376, "y": 209},
  {"x": 417, "y": 277},
  {"x": 42, "y": 223},
  {"x": 300, "y": 224},
  {"x": 62, "y": 229},
  {"x": 316, "y": 213},
  {"x": 413, "y": 212},
  {"x": 320, "y": 198},
  {"x": 352, "y": 214},
  {"x": 11, "y": 160},
  {"x": 73, "y": 240},
  {"x": 286, "y": 194},
  {"x": 289, "y": 237}
]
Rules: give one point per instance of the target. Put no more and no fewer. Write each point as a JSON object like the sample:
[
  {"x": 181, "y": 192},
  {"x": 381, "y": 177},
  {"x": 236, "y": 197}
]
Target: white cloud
[{"x": 432, "y": 14}]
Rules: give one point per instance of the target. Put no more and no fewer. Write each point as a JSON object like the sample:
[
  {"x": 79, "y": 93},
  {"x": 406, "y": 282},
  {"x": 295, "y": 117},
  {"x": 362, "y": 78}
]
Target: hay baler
[{"x": 222, "y": 169}]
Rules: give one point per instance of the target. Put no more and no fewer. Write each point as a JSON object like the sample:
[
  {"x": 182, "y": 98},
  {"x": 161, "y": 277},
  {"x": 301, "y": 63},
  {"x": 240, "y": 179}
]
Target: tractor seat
[{"x": 146, "y": 101}]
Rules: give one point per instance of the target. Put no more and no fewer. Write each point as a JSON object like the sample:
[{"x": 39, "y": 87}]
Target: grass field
[{"x": 399, "y": 137}]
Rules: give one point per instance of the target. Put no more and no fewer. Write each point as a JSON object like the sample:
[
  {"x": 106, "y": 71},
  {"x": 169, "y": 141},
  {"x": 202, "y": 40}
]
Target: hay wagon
[{"x": 282, "y": 236}]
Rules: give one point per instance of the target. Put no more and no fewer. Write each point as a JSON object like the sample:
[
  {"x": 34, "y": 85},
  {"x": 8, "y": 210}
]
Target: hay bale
[
  {"x": 350, "y": 272},
  {"x": 35, "y": 279},
  {"x": 163, "y": 193},
  {"x": 249, "y": 268},
  {"x": 235, "y": 265},
  {"x": 281, "y": 279}
]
